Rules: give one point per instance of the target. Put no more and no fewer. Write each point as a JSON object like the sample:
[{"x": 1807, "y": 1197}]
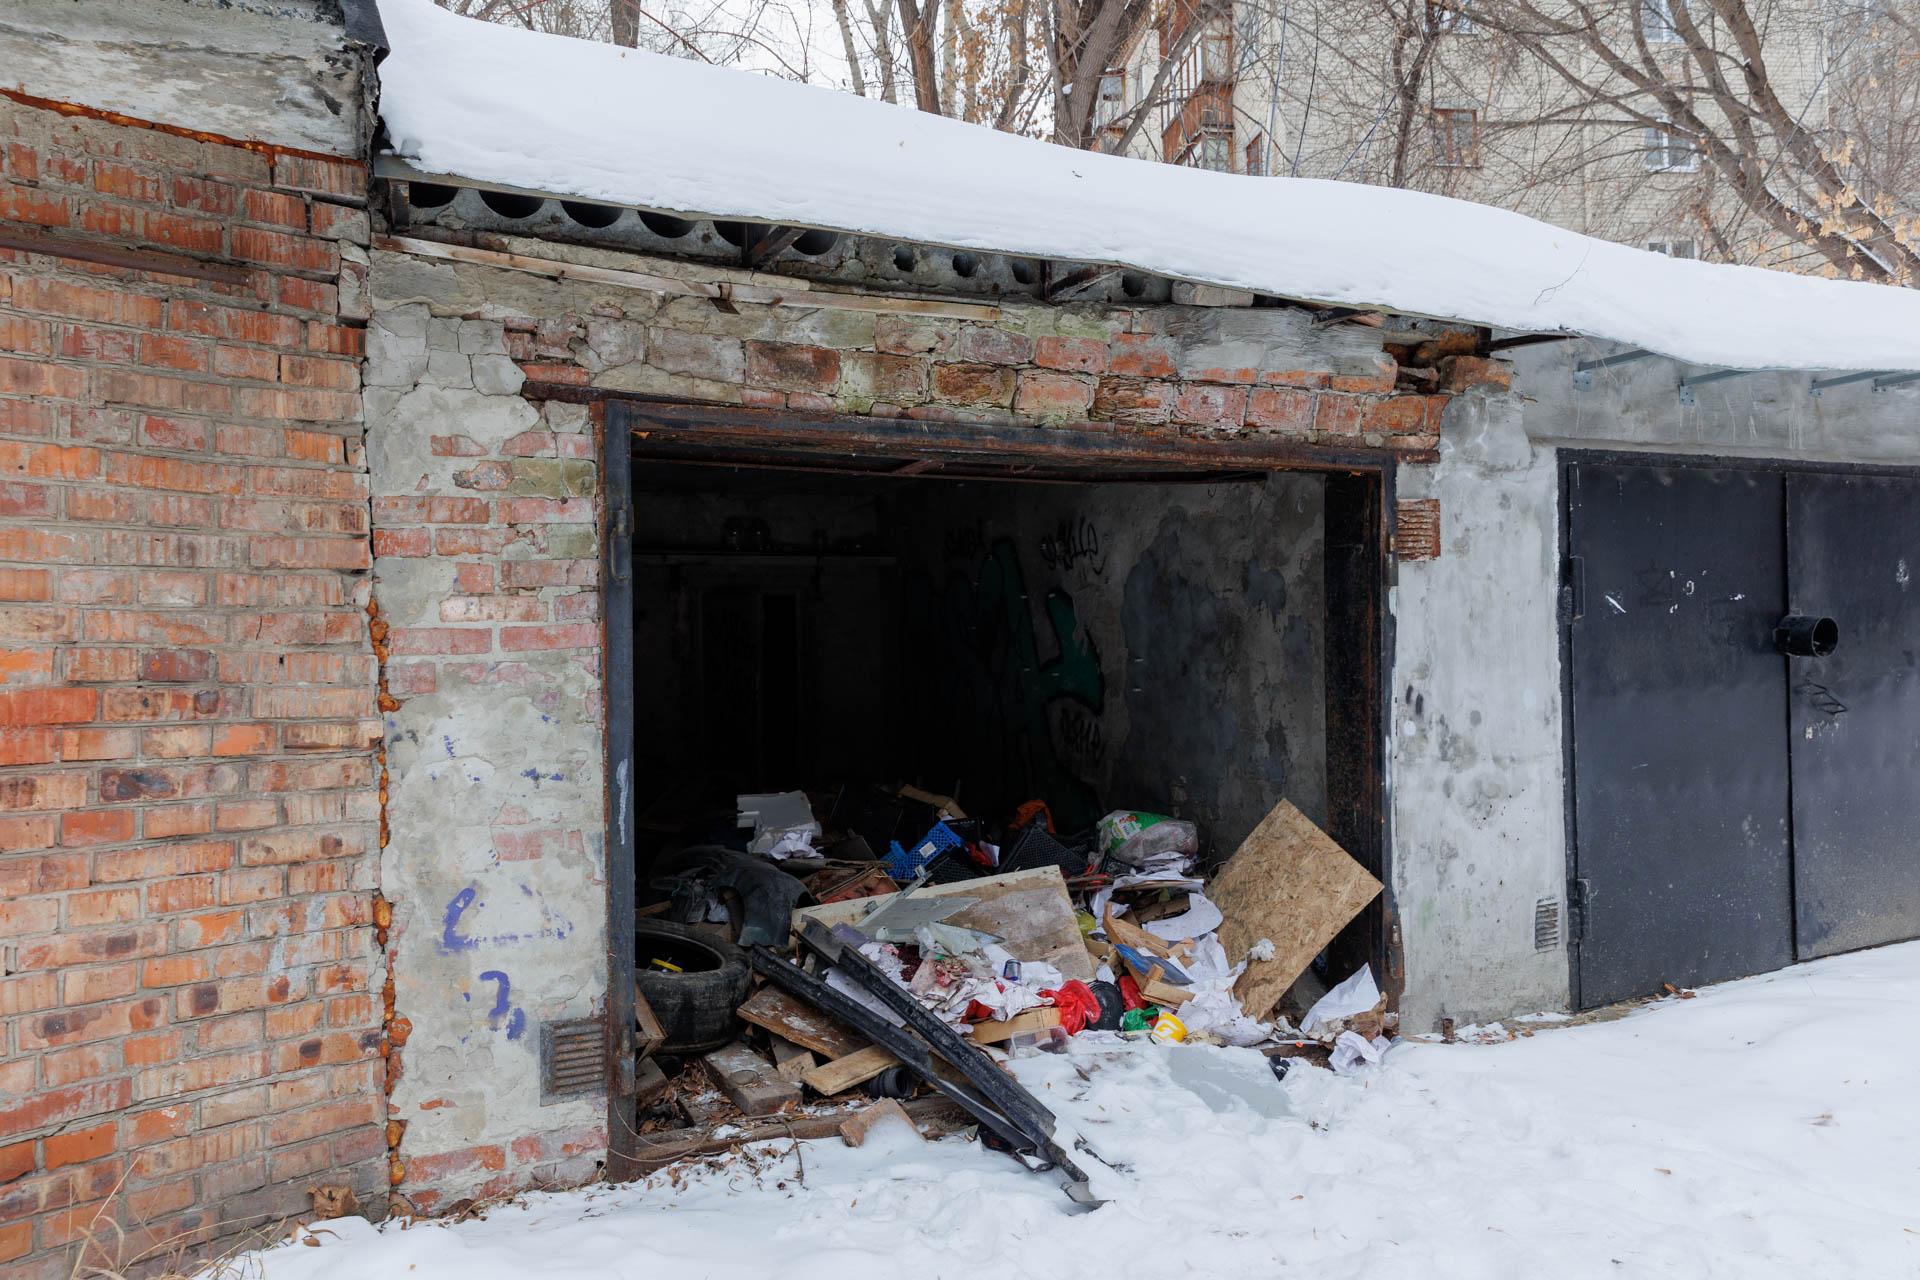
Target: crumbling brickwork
[{"x": 189, "y": 1035}]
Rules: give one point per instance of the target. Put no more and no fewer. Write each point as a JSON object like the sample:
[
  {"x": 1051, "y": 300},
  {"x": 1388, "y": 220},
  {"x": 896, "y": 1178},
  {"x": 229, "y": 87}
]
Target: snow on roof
[{"x": 571, "y": 117}]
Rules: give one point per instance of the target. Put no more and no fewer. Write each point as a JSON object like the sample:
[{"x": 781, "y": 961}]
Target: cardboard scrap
[
  {"x": 1030, "y": 910},
  {"x": 1020, "y": 1024},
  {"x": 1289, "y": 883},
  {"x": 786, "y": 1017}
]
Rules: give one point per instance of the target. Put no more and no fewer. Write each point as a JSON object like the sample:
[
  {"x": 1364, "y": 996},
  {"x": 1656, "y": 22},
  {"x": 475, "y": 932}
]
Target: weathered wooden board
[
  {"x": 844, "y": 1073},
  {"x": 791, "y": 1061},
  {"x": 789, "y": 1019},
  {"x": 1031, "y": 910},
  {"x": 1289, "y": 883},
  {"x": 855, "y": 1128}
]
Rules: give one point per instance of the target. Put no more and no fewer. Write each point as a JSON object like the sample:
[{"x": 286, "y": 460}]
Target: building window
[
  {"x": 1457, "y": 137},
  {"x": 1673, "y": 248},
  {"x": 1108, "y": 108},
  {"x": 1452, "y": 17},
  {"x": 1656, "y": 21},
  {"x": 1257, "y": 155},
  {"x": 1669, "y": 152},
  {"x": 1216, "y": 153},
  {"x": 1216, "y": 56}
]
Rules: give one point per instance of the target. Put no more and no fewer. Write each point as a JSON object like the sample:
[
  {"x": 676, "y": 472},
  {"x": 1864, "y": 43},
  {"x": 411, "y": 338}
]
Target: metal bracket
[
  {"x": 1881, "y": 384},
  {"x": 1819, "y": 385},
  {"x": 1583, "y": 371},
  {"x": 1688, "y": 383}
]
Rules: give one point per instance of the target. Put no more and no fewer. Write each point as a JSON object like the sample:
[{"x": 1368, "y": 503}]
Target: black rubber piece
[
  {"x": 695, "y": 1006},
  {"x": 1113, "y": 1005}
]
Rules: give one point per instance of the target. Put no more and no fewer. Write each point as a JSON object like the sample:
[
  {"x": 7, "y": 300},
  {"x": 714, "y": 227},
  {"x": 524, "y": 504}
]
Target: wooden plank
[
  {"x": 843, "y": 1074},
  {"x": 932, "y": 1116},
  {"x": 749, "y": 1080},
  {"x": 1030, "y": 909},
  {"x": 1123, "y": 931},
  {"x": 791, "y": 1061},
  {"x": 648, "y": 1033},
  {"x": 780, "y": 1013},
  {"x": 855, "y": 1128},
  {"x": 1291, "y": 884},
  {"x": 1020, "y": 1024}
]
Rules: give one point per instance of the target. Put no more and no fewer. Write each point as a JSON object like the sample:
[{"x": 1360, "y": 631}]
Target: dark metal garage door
[
  {"x": 1734, "y": 807},
  {"x": 1680, "y": 728},
  {"x": 1853, "y": 548}
]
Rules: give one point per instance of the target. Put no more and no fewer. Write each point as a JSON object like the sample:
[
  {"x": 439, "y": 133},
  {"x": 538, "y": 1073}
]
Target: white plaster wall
[{"x": 1475, "y": 752}]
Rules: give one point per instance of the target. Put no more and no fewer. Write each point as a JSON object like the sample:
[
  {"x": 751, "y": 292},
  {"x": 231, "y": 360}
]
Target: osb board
[
  {"x": 804, "y": 1025},
  {"x": 1290, "y": 883},
  {"x": 1031, "y": 910}
]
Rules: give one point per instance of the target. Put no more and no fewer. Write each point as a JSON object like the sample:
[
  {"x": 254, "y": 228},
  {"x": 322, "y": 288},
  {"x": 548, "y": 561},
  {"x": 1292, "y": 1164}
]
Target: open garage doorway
[{"x": 994, "y": 616}]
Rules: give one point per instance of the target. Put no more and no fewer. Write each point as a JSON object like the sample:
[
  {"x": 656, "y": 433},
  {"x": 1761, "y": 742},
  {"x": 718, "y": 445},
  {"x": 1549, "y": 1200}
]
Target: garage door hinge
[{"x": 1579, "y": 893}]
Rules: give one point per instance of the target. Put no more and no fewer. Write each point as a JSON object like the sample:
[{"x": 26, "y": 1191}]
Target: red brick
[
  {"x": 27, "y": 746},
  {"x": 1281, "y": 409},
  {"x": 578, "y": 635},
  {"x": 1338, "y": 415},
  {"x": 987, "y": 345},
  {"x": 286, "y": 252},
  {"x": 62, "y": 1106},
  {"x": 1207, "y": 405},
  {"x": 100, "y": 826},
  {"x": 1071, "y": 355},
  {"x": 1048, "y": 394},
  {"x": 791, "y": 367},
  {"x": 974, "y": 384},
  {"x": 1138, "y": 355},
  {"x": 337, "y": 179},
  {"x": 34, "y": 206},
  {"x": 81, "y": 1145},
  {"x": 30, "y": 378},
  {"x": 87, "y": 302},
  {"x": 42, "y": 792}
]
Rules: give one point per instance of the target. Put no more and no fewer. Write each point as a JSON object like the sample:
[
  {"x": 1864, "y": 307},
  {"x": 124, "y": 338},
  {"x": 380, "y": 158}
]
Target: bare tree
[{"x": 1726, "y": 87}]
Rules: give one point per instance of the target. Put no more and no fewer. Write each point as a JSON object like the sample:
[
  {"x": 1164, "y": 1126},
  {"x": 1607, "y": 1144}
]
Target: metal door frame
[{"x": 1566, "y": 460}]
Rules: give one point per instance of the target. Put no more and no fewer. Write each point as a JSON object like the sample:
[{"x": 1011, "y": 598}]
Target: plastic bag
[{"x": 1135, "y": 837}]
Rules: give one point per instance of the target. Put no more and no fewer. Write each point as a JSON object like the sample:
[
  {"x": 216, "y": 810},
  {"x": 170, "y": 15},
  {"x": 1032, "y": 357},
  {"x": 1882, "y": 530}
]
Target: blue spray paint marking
[
  {"x": 450, "y": 937},
  {"x": 452, "y": 940},
  {"x": 516, "y": 1019},
  {"x": 536, "y": 777},
  {"x": 506, "y": 987}
]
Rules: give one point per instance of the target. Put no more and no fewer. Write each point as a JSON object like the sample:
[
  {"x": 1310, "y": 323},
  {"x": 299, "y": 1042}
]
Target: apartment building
[{"x": 1427, "y": 95}]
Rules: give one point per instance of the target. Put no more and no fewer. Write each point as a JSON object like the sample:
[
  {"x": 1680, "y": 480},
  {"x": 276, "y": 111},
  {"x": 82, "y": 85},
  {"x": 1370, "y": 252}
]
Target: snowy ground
[{"x": 1768, "y": 1127}]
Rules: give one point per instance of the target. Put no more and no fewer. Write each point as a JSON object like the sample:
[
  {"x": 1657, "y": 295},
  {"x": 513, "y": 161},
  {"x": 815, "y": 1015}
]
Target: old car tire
[{"x": 695, "y": 1005}]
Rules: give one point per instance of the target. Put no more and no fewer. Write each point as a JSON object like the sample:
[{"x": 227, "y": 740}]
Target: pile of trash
[{"x": 910, "y": 968}]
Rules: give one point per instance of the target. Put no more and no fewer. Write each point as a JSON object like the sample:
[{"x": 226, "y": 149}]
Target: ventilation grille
[
  {"x": 1416, "y": 529},
  {"x": 1546, "y": 924},
  {"x": 573, "y": 1059}
]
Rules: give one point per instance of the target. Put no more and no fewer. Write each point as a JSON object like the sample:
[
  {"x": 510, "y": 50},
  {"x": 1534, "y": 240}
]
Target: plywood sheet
[
  {"x": 1290, "y": 883},
  {"x": 1031, "y": 910}
]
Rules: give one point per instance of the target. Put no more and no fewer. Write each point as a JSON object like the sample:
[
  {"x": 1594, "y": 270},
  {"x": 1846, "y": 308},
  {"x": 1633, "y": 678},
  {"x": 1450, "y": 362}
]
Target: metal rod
[
  {"x": 30, "y": 240},
  {"x": 1697, "y": 379},
  {"x": 1606, "y": 362},
  {"x": 1882, "y": 383},
  {"x": 1821, "y": 384}
]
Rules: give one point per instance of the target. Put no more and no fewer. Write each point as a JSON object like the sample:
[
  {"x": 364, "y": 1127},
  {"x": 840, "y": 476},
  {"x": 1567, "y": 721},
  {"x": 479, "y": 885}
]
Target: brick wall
[{"x": 190, "y": 1033}]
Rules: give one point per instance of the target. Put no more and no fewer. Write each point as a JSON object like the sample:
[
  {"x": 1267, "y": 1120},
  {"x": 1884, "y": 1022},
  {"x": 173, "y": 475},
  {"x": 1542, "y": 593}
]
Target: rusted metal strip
[
  {"x": 1090, "y": 446},
  {"x": 33, "y": 240}
]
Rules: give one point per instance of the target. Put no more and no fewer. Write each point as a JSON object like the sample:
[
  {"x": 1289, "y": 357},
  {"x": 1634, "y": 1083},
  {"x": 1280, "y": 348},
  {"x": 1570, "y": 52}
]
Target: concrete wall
[
  {"x": 1478, "y": 772},
  {"x": 1131, "y": 646},
  {"x": 1476, "y": 733}
]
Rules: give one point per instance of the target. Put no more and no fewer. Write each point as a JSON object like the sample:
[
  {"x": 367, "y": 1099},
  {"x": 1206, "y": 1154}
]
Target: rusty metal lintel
[
  {"x": 1092, "y": 447},
  {"x": 31, "y": 240}
]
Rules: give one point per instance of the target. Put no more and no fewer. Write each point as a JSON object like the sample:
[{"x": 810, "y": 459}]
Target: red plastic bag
[
  {"x": 1077, "y": 1004},
  {"x": 1130, "y": 992}
]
